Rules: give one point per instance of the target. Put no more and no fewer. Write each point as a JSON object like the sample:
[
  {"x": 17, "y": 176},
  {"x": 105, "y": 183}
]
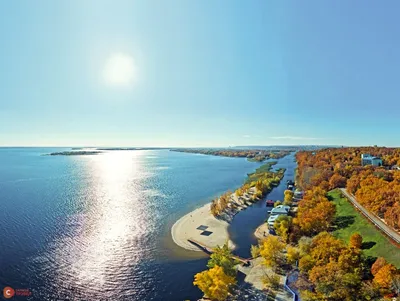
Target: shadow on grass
[
  {"x": 342, "y": 222},
  {"x": 368, "y": 245}
]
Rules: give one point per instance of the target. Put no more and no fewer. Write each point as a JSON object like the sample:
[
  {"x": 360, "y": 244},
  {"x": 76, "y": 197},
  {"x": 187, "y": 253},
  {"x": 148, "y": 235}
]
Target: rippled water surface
[{"x": 97, "y": 227}]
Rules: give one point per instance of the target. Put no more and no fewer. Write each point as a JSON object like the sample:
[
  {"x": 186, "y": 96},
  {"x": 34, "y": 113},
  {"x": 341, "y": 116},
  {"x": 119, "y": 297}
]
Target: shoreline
[
  {"x": 200, "y": 225},
  {"x": 186, "y": 228},
  {"x": 262, "y": 231}
]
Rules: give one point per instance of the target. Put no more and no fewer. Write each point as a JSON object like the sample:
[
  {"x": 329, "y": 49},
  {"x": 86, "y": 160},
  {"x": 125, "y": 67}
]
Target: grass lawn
[{"x": 349, "y": 221}]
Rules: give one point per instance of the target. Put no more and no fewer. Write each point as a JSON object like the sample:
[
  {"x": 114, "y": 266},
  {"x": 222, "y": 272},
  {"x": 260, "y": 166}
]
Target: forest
[
  {"x": 258, "y": 155},
  {"x": 376, "y": 188},
  {"x": 257, "y": 184}
]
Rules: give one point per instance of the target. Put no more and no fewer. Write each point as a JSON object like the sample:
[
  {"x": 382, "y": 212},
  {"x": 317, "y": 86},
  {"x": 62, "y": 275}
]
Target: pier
[{"x": 209, "y": 251}]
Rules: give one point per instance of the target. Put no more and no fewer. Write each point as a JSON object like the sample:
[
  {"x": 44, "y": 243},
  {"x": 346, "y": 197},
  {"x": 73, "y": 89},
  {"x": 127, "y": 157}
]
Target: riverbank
[
  {"x": 262, "y": 231},
  {"x": 209, "y": 224},
  {"x": 202, "y": 226}
]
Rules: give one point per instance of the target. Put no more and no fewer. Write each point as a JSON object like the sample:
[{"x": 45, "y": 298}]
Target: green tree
[
  {"x": 222, "y": 256},
  {"x": 255, "y": 251}
]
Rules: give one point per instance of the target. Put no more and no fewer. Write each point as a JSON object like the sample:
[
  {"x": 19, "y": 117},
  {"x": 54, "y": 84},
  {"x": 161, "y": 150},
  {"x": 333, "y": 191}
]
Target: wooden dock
[{"x": 209, "y": 251}]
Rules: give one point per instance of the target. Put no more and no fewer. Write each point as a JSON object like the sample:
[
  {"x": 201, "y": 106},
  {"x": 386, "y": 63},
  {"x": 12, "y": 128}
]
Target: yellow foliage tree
[
  {"x": 214, "y": 283},
  {"x": 288, "y": 197},
  {"x": 292, "y": 254},
  {"x": 356, "y": 241},
  {"x": 384, "y": 277},
  {"x": 271, "y": 250}
]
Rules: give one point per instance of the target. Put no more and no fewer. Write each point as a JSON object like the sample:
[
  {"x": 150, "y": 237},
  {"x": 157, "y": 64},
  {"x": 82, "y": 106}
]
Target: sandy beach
[
  {"x": 262, "y": 231},
  {"x": 200, "y": 225},
  {"x": 214, "y": 233}
]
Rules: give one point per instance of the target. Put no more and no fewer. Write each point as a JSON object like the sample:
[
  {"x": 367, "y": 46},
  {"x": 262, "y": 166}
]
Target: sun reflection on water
[{"x": 98, "y": 254}]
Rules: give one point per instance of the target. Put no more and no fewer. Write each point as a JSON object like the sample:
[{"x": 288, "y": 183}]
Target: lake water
[{"x": 98, "y": 227}]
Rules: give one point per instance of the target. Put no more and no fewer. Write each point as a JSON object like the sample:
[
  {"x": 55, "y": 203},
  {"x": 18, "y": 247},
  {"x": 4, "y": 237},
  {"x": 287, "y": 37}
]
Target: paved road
[{"x": 377, "y": 222}]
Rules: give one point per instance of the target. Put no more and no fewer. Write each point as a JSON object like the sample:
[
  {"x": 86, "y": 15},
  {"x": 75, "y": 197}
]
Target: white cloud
[
  {"x": 293, "y": 138},
  {"x": 120, "y": 70}
]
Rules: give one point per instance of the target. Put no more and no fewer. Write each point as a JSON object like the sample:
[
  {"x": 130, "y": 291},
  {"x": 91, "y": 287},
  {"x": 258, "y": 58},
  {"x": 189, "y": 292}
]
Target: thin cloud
[
  {"x": 293, "y": 138},
  {"x": 246, "y": 136}
]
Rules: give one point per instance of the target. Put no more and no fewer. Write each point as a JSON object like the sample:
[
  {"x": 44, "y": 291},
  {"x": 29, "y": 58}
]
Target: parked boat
[{"x": 269, "y": 203}]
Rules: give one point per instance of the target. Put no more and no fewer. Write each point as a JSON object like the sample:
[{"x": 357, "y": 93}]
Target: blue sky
[{"x": 199, "y": 73}]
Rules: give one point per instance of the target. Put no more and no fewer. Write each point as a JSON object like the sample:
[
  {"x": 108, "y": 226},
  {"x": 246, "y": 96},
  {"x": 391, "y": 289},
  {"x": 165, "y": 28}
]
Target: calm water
[
  {"x": 97, "y": 227},
  {"x": 246, "y": 222}
]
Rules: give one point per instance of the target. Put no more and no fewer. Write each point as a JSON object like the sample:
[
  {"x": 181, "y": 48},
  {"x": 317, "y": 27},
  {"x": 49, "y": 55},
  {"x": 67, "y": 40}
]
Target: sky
[{"x": 199, "y": 73}]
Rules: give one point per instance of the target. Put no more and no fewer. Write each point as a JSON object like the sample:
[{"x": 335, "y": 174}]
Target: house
[
  {"x": 271, "y": 220},
  {"x": 367, "y": 159},
  {"x": 280, "y": 209}
]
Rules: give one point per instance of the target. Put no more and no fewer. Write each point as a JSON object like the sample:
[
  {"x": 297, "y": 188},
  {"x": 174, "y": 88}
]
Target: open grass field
[{"x": 349, "y": 221}]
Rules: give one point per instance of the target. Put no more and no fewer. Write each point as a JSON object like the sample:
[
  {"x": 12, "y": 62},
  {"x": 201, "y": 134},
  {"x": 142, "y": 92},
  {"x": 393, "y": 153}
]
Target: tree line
[
  {"x": 376, "y": 188},
  {"x": 258, "y": 155}
]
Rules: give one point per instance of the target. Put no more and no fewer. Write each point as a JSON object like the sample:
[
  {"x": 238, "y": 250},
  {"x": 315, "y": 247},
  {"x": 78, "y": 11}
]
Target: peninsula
[
  {"x": 256, "y": 155},
  {"x": 209, "y": 223}
]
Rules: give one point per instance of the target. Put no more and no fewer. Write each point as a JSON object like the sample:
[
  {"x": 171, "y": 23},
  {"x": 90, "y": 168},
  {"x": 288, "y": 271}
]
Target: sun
[{"x": 120, "y": 70}]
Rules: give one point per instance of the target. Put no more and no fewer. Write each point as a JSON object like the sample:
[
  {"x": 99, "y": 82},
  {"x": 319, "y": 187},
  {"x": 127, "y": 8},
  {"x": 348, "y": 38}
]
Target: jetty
[{"x": 209, "y": 251}]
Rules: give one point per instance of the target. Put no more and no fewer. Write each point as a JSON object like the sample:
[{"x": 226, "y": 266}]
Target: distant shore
[{"x": 74, "y": 153}]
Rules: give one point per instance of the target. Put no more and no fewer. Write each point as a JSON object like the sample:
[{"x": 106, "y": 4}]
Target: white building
[
  {"x": 367, "y": 159},
  {"x": 280, "y": 209}
]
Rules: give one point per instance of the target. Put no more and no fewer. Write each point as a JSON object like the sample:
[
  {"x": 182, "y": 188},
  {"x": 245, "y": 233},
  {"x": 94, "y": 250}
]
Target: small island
[{"x": 74, "y": 153}]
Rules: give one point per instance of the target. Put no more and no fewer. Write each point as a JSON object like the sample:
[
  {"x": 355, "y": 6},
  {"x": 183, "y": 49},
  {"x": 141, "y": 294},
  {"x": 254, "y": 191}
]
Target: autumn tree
[
  {"x": 315, "y": 212},
  {"x": 282, "y": 225},
  {"x": 335, "y": 283},
  {"x": 337, "y": 181},
  {"x": 255, "y": 251},
  {"x": 305, "y": 245},
  {"x": 384, "y": 277},
  {"x": 288, "y": 197},
  {"x": 292, "y": 254},
  {"x": 334, "y": 269},
  {"x": 271, "y": 280},
  {"x": 396, "y": 284},
  {"x": 271, "y": 250},
  {"x": 214, "y": 283},
  {"x": 356, "y": 241},
  {"x": 379, "y": 263}
]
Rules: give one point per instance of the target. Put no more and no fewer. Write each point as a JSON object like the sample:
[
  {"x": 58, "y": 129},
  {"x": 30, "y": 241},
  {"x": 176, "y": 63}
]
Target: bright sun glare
[{"x": 120, "y": 70}]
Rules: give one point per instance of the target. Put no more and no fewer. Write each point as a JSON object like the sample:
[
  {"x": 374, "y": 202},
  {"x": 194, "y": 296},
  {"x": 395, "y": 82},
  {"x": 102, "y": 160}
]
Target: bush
[
  {"x": 255, "y": 251},
  {"x": 271, "y": 280}
]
